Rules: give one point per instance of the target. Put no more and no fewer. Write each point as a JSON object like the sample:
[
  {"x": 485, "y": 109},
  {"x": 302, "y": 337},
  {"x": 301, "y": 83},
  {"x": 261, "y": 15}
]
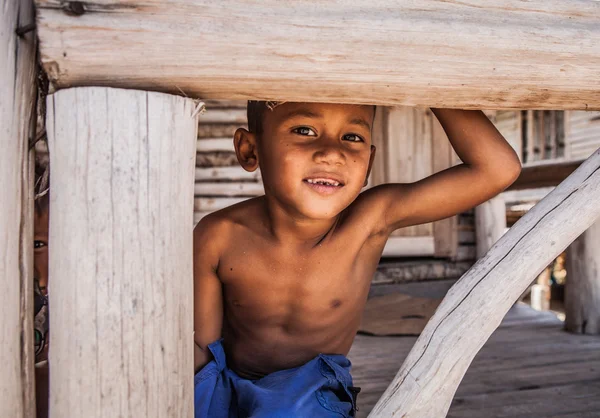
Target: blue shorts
[{"x": 320, "y": 388}]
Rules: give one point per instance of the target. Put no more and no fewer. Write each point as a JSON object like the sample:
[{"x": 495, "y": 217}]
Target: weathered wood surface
[
  {"x": 497, "y": 54},
  {"x": 17, "y": 125},
  {"x": 121, "y": 259},
  {"x": 490, "y": 223},
  {"x": 528, "y": 368},
  {"x": 582, "y": 289},
  {"x": 545, "y": 173},
  {"x": 411, "y": 271},
  {"x": 474, "y": 307}
]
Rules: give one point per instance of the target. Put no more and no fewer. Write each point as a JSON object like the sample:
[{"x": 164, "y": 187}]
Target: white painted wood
[
  {"x": 490, "y": 223},
  {"x": 121, "y": 261},
  {"x": 476, "y": 304},
  {"x": 495, "y": 54},
  {"x": 409, "y": 247},
  {"x": 582, "y": 288},
  {"x": 250, "y": 189},
  {"x": 17, "y": 124},
  {"x": 225, "y": 173},
  {"x": 215, "y": 145}
]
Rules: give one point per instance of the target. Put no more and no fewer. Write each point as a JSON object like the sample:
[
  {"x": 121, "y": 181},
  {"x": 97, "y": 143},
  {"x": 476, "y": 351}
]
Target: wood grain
[
  {"x": 582, "y": 289},
  {"x": 121, "y": 260},
  {"x": 474, "y": 307},
  {"x": 468, "y": 54},
  {"x": 17, "y": 125}
]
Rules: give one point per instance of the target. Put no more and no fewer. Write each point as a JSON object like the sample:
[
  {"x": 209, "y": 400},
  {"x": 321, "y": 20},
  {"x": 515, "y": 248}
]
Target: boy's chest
[{"x": 270, "y": 282}]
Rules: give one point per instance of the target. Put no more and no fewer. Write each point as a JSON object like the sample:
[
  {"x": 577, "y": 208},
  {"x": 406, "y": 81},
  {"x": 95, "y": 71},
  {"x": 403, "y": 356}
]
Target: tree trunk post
[
  {"x": 121, "y": 261},
  {"x": 582, "y": 288},
  {"x": 476, "y": 304},
  {"x": 17, "y": 125},
  {"x": 490, "y": 223}
]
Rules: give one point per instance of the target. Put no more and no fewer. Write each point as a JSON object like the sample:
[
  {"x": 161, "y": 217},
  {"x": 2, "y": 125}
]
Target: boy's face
[{"x": 314, "y": 158}]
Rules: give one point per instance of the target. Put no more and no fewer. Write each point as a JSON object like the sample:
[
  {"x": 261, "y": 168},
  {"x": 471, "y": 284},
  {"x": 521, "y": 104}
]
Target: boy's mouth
[{"x": 323, "y": 185}]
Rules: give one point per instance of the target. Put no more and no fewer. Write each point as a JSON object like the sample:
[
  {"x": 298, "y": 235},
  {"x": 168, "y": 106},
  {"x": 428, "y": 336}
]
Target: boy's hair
[{"x": 256, "y": 112}]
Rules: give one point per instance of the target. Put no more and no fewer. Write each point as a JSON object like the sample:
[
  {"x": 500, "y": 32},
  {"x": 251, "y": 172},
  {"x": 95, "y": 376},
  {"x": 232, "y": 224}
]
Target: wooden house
[{"x": 122, "y": 124}]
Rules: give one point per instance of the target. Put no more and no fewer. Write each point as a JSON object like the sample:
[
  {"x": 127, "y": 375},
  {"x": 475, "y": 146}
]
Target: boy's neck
[{"x": 292, "y": 228}]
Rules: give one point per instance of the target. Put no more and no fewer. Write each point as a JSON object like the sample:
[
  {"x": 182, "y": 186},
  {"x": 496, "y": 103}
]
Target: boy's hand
[{"x": 489, "y": 166}]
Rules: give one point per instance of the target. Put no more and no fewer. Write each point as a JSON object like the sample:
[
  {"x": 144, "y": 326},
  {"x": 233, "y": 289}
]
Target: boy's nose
[{"x": 330, "y": 154}]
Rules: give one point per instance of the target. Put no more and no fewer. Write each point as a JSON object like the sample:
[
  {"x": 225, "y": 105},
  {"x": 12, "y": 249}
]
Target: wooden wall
[{"x": 582, "y": 134}]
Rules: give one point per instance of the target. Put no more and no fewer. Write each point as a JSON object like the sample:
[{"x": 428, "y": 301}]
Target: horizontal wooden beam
[
  {"x": 469, "y": 54},
  {"x": 544, "y": 174}
]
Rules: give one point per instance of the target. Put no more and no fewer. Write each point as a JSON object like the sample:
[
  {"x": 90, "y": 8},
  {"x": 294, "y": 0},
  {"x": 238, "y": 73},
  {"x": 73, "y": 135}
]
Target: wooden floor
[{"x": 530, "y": 368}]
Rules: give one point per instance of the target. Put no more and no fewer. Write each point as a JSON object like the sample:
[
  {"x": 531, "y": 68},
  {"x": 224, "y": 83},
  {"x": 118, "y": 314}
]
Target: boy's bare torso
[
  {"x": 284, "y": 303},
  {"x": 285, "y": 276}
]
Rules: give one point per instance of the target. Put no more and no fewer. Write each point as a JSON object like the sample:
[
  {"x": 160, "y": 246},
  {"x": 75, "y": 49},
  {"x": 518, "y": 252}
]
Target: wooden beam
[
  {"x": 544, "y": 174},
  {"x": 490, "y": 223},
  {"x": 17, "y": 126},
  {"x": 582, "y": 288},
  {"x": 121, "y": 259},
  {"x": 476, "y": 304},
  {"x": 469, "y": 54}
]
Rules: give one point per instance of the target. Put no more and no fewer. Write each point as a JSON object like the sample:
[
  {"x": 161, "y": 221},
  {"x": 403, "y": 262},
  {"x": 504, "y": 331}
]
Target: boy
[{"x": 281, "y": 280}]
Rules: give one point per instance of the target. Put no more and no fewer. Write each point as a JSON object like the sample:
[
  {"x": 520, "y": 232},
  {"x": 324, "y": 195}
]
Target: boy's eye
[
  {"x": 353, "y": 138},
  {"x": 303, "y": 130},
  {"x": 37, "y": 244}
]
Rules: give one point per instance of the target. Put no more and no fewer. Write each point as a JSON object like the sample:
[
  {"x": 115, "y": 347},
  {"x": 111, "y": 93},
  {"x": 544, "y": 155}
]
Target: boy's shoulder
[{"x": 217, "y": 227}]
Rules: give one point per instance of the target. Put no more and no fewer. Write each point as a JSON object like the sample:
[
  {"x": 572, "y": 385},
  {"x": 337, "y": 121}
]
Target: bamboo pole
[
  {"x": 468, "y": 54},
  {"x": 476, "y": 304},
  {"x": 121, "y": 260},
  {"x": 17, "y": 122}
]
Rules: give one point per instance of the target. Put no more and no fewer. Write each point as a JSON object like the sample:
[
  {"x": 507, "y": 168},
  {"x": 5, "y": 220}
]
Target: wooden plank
[
  {"x": 409, "y": 246},
  {"x": 220, "y": 130},
  {"x": 215, "y": 144},
  {"x": 249, "y": 189},
  {"x": 216, "y": 159},
  {"x": 121, "y": 229},
  {"x": 582, "y": 289},
  {"x": 227, "y": 116},
  {"x": 17, "y": 125},
  {"x": 529, "y": 60},
  {"x": 531, "y": 133},
  {"x": 414, "y": 271},
  {"x": 473, "y": 309},
  {"x": 544, "y": 174},
  {"x": 226, "y": 173},
  {"x": 445, "y": 232},
  {"x": 490, "y": 223}
]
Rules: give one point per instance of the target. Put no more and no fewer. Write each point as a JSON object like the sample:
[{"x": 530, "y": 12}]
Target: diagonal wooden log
[
  {"x": 17, "y": 125},
  {"x": 475, "y": 305},
  {"x": 470, "y": 54}
]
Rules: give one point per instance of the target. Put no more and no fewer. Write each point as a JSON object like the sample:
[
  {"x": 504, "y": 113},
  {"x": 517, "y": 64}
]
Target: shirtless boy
[{"x": 281, "y": 280}]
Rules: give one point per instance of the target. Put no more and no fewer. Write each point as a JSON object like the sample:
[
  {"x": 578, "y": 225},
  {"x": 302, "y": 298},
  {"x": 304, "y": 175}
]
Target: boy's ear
[
  {"x": 245, "y": 149},
  {"x": 371, "y": 159}
]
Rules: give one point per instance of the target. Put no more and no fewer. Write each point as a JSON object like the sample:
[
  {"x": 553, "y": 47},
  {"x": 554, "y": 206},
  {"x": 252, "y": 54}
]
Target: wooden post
[
  {"x": 17, "y": 126},
  {"x": 490, "y": 223},
  {"x": 121, "y": 261},
  {"x": 476, "y": 304},
  {"x": 582, "y": 288}
]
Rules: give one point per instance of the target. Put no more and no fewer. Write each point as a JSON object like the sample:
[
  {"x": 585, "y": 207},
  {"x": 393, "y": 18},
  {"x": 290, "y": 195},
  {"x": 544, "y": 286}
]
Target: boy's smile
[{"x": 314, "y": 157}]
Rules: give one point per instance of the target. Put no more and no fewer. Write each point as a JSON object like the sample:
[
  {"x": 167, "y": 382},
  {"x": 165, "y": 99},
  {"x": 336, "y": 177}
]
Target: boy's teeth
[{"x": 324, "y": 182}]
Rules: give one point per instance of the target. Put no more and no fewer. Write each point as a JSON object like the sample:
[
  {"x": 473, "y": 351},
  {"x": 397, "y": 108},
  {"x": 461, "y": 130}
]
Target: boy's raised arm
[
  {"x": 489, "y": 166},
  {"x": 208, "y": 297}
]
